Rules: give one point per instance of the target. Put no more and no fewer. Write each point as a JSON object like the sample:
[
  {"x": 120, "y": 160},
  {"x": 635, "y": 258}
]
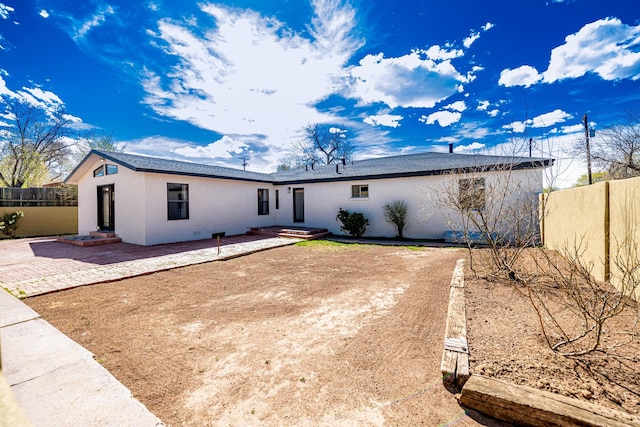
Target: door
[
  {"x": 298, "y": 205},
  {"x": 106, "y": 207}
]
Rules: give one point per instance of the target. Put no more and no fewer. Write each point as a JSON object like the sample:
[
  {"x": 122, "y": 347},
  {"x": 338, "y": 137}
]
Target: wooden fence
[{"x": 48, "y": 196}]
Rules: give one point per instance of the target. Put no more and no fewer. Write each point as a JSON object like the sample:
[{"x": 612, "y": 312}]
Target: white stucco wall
[
  {"x": 229, "y": 206},
  {"x": 426, "y": 220},
  {"x": 215, "y": 205},
  {"x": 129, "y": 188}
]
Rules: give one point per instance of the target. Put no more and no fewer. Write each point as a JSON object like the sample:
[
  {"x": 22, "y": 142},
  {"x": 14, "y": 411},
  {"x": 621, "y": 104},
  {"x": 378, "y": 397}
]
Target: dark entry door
[
  {"x": 298, "y": 205},
  {"x": 106, "y": 207}
]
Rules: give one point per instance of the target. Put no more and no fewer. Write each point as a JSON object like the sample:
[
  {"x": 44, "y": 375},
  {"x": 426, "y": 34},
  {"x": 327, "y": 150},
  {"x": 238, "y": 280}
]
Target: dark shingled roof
[
  {"x": 421, "y": 164},
  {"x": 176, "y": 167},
  {"x": 384, "y": 167}
]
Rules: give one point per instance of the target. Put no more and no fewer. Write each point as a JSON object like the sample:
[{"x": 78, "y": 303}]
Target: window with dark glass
[
  {"x": 103, "y": 170},
  {"x": 177, "y": 201},
  {"x": 472, "y": 193},
  {"x": 277, "y": 199},
  {"x": 359, "y": 191},
  {"x": 263, "y": 201}
]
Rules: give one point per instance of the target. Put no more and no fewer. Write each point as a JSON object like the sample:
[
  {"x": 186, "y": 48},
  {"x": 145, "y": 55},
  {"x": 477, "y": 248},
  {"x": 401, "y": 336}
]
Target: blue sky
[{"x": 215, "y": 81}]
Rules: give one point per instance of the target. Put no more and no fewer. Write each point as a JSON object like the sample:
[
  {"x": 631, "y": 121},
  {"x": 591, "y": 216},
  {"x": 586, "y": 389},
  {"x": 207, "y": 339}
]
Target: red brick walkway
[{"x": 35, "y": 266}]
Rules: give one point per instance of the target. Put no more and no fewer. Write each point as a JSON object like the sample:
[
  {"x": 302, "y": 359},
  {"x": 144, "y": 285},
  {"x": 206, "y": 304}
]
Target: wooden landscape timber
[
  {"x": 455, "y": 357},
  {"x": 528, "y": 406}
]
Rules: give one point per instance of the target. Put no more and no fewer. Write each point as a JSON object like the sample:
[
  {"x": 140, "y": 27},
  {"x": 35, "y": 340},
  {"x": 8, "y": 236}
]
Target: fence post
[{"x": 607, "y": 233}]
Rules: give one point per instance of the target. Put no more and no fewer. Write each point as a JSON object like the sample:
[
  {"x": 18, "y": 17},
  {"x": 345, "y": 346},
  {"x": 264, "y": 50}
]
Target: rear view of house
[{"x": 148, "y": 201}]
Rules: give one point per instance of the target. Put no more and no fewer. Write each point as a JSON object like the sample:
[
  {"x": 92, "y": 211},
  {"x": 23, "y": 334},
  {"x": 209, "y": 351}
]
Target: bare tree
[
  {"x": 496, "y": 206},
  {"x": 617, "y": 148},
  {"x": 322, "y": 144},
  {"x": 573, "y": 307},
  {"x": 34, "y": 140},
  {"x": 95, "y": 140}
]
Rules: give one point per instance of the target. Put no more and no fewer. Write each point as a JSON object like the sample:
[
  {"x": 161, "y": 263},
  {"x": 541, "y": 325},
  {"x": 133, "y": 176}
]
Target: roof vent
[{"x": 451, "y": 147}]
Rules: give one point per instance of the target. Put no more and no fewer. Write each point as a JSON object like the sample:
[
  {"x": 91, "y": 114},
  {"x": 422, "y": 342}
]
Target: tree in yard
[
  {"x": 395, "y": 213},
  {"x": 322, "y": 144},
  {"x": 595, "y": 177},
  {"x": 95, "y": 140},
  {"x": 35, "y": 140},
  {"x": 616, "y": 148},
  {"x": 497, "y": 205}
]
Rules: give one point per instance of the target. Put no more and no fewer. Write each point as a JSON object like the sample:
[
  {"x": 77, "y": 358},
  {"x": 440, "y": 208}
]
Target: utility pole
[
  {"x": 244, "y": 162},
  {"x": 585, "y": 120}
]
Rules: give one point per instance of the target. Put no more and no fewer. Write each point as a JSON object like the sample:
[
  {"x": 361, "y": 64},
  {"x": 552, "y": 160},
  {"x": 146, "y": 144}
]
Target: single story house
[{"x": 147, "y": 200}]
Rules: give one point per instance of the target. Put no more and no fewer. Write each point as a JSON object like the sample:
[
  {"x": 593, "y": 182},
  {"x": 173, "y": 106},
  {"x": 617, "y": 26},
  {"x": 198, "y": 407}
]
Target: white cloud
[
  {"x": 474, "y": 147},
  {"x": 411, "y": 80},
  {"x": 517, "y": 126},
  {"x": 606, "y": 47},
  {"x": 4, "y": 89},
  {"x": 250, "y": 74},
  {"x": 487, "y": 26},
  {"x": 444, "y": 118},
  {"x": 550, "y": 119},
  {"x": 389, "y": 120},
  {"x": 572, "y": 128},
  {"x": 436, "y": 53},
  {"x": 541, "y": 121},
  {"x": 456, "y": 106},
  {"x": 493, "y": 113},
  {"x": 5, "y": 11},
  {"x": 525, "y": 76},
  {"x": 483, "y": 105},
  {"x": 475, "y": 35},
  {"x": 226, "y": 148},
  {"x": 467, "y": 42},
  {"x": 44, "y": 14},
  {"x": 83, "y": 28}
]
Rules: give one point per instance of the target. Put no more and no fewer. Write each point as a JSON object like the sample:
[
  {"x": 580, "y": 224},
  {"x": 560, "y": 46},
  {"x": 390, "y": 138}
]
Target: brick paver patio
[{"x": 31, "y": 267}]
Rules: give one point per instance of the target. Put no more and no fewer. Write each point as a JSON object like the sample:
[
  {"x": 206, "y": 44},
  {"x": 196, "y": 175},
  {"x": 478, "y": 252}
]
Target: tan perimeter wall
[
  {"x": 45, "y": 221},
  {"x": 601, "y": 220},
  {"x": 624, "y": 229}
]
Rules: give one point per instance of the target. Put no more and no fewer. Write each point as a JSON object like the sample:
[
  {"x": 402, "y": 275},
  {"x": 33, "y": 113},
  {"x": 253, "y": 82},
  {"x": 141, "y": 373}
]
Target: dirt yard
[
  {"x": 301, "y": 335},
  {"x": 506, "y": 342},
  {"x": 321, "y": 335}
]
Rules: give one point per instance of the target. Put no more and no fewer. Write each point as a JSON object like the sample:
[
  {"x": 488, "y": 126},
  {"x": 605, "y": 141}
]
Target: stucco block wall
[
  {"x": 45, "y": 221},
  {"x": 604, "y": 217},
  {"x": 624, "y": 228},
  {"x": 576, "y": 218}
]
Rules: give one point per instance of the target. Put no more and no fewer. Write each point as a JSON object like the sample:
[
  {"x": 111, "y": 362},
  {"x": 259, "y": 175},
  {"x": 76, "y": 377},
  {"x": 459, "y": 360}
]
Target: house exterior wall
[
  {"x": 215, "y": 205},
  {"x": 129, "y": 190},
  {"x": 425, "y": 219},
  {"x": 231, "y": 206}
]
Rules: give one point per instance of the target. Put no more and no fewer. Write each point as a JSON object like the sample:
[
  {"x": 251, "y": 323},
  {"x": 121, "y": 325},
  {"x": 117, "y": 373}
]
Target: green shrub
[
  {"x": 9, "y": 222},
  {"x": 354, "y": 223},
  {"x": 395, "y": 213}
]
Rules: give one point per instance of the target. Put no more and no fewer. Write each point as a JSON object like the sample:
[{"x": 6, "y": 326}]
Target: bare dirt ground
[
  {"x": 506, "y": 342},
  {"x": 302, "y": 335}
]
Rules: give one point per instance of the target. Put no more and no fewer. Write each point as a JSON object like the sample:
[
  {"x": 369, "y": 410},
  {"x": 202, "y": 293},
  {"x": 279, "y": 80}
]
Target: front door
[
  {"x": 298, "y": 205},
  {"x": 106, "y": 207}
]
